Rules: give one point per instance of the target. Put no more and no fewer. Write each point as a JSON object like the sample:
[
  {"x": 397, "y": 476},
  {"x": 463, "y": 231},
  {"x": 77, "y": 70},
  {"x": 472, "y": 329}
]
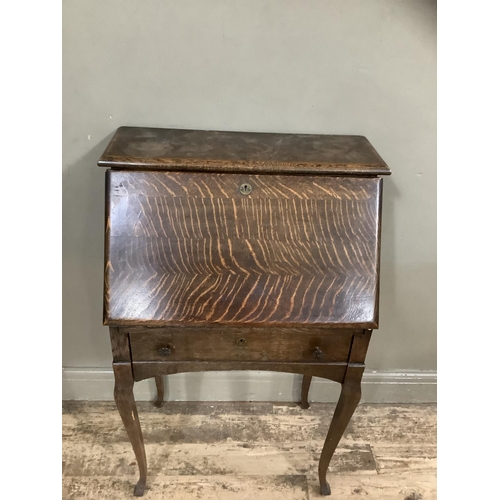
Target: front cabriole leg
[
  {"x": 125, "y": 402},
  {"x": 348, "y": 401}
]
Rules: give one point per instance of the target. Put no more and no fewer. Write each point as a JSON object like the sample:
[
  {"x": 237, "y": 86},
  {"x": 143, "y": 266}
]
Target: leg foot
[
  {"x": 139, "y": 488},
  {"x": 306, "y": 383},
  {"x": 324, "y": 488},
  {"x": 158, "y": 402},
  {"x": 348, "y": 401},
  {"x": 125, "y": 402}
]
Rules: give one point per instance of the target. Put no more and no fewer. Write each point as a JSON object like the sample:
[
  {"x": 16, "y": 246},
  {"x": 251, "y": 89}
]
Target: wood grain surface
[
  {"x": 186, "y": 248},
  {"x": 198, "y": 150}
]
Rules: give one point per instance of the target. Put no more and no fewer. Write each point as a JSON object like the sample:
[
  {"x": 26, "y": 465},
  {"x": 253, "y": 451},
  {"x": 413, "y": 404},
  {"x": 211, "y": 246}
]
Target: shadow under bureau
[{"x": 241, "y": 251}]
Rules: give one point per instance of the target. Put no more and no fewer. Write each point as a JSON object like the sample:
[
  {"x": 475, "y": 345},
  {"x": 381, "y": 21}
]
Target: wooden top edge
[
  {"x": 143, "y": 148},
  {"x": 221, "y": 166},
  {"x": 115, "y": 322}
]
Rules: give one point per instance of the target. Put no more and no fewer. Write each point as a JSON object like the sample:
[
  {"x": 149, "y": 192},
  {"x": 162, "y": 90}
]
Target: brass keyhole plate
[{"x": 245, "y": 188}]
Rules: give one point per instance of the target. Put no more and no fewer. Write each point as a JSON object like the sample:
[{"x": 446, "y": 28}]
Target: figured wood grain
[
  {"x": 232, "y": 344},
  {"x": 188, "y": 248},
  {"x": 215, "y": 151},
  {"x": 242, "y": 329}
]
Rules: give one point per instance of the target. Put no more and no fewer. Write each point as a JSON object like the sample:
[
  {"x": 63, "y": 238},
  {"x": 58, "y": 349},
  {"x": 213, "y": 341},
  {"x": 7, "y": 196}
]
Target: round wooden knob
[
  {"x": 165, "y": 351},
  {"x": 318, "y": 353}
]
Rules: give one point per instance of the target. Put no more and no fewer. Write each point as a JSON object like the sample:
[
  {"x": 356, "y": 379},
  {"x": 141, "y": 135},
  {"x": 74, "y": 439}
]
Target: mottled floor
[{"x": 256, "y": 451}]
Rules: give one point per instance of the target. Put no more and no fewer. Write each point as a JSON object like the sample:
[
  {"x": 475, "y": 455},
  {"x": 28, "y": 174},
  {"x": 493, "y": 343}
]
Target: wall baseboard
[{"x": 95, "y": 384}]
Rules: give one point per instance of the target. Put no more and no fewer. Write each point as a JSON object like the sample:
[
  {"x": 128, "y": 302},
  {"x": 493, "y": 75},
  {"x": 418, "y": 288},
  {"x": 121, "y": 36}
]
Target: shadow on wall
[
  {"x": 387, "y": 265},
  {"x": 83, "y": 259}
]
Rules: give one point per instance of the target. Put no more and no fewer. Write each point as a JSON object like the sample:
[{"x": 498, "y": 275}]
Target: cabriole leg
[
  {"x": 160, "y": 391},
  {"x": 306, "y": 383},
  {"x": 348, "y": 401},
  {"x": 125, "y": 402}
]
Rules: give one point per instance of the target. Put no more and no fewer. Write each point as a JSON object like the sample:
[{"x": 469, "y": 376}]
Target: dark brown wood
[
  {"x": 125, "y": 402},
  {"x": 218, "y": 258},
  {"x": 304, "y": 397},
  {"x": 241, "y": 344},
  {"x": 160, "y": 391},
  {"x": 120, "y": 346},
  {"x": 215, "y": 151},
  {"x": 188, "y": 250},
  {"x": 348, "y": 401},
  {"x": 360, "y": 342}
]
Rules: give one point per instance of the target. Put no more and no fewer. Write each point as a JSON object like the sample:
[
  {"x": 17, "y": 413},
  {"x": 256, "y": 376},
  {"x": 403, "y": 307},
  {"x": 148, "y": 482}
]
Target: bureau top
[{"x": 213, "y": 151}]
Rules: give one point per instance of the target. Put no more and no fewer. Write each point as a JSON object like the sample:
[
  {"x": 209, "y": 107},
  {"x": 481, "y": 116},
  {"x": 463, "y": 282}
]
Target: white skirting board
[{"x": 95, "y": 384}]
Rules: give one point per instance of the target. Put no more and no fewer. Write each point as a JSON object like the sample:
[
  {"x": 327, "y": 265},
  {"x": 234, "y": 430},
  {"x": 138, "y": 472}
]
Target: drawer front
[
  {"x": 238, "y": 249},
  {"x": 241, "y": 344}
]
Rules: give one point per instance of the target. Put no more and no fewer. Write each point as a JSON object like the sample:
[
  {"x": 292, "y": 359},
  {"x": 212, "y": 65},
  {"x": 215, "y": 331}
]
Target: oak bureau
[{"x": 241, "y": 251}]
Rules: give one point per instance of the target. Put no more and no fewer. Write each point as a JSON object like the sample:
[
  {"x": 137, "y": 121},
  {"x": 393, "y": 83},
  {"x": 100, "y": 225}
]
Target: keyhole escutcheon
[{"x": 245, "y": 188}]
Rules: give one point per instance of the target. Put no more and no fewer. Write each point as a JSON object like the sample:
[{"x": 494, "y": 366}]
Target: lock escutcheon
[{"x": 245, "y": 188}]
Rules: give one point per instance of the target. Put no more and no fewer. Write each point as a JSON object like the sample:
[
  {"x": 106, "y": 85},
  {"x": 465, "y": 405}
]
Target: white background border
[{"x": 468, "y": 249}]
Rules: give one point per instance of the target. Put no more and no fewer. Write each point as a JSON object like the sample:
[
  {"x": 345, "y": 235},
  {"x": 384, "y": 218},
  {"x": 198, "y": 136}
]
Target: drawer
[{"x": 241, "y": 344}]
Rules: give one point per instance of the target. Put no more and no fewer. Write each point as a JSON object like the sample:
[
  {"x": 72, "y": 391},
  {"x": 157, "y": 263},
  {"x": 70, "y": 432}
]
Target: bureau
[{"x": 240, "y": 251}]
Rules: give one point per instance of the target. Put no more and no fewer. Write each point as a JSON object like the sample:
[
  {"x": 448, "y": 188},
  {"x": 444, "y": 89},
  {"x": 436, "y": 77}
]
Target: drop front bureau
[{"x": 241, "y": 251}]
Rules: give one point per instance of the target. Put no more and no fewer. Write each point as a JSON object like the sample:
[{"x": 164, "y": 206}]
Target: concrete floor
[{"x": 257, "y": 451}]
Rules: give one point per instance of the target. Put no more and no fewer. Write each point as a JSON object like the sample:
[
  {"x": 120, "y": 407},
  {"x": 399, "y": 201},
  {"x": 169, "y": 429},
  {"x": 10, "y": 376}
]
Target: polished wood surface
[
  {"x": 187, "y": 248},
  {"x": 217, "y": 258},
  {"x": 215, "y": 151}
]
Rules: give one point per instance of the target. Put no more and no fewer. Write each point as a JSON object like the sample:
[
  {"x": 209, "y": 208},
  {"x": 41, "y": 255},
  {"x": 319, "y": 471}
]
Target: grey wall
[{"x": 332, "y": 67}]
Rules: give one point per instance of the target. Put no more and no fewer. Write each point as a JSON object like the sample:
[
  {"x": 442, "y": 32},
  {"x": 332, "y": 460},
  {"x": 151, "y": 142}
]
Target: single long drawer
[{"x": 241, "y": 344}]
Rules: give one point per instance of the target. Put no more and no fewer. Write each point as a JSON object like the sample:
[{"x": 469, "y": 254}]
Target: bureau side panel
[{"x": 192, "y": 249}]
